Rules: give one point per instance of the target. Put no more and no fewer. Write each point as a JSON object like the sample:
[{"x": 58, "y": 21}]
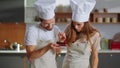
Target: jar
[
  {"x": 100, "y": 20},
  {"x": 104, "y": 44},
  {"x": 107, "y": 20},
  {"x": 114, "y": 20}
]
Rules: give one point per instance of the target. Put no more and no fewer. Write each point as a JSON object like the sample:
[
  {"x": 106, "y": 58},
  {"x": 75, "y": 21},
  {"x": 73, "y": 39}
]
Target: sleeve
[
  {"x": 31, "y": 36},
  {"x": 96, "y": 41}
]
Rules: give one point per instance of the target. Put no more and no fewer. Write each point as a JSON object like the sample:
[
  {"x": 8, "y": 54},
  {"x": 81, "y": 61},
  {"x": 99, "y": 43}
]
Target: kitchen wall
[
  {"x": 11, "y": 11},
  {"x": 111, "y": 5},
  {"x": 107, "y": 30}
]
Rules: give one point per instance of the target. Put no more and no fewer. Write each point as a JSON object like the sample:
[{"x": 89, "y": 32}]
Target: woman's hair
[
  {"x": 87, "y": 31},
  {"x": 40, "y": 19}
]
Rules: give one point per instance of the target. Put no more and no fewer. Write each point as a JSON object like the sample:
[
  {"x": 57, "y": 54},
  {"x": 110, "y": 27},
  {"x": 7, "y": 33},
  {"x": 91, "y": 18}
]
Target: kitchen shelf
[
  {"x": 63, "y": 16},
  {"x": 106, "y": 17},
  {"x": 64, "y": 50},
  {"x": 94, "y": 17}
]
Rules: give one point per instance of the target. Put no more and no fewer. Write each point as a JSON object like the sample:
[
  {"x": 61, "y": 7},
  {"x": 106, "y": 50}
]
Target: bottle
[
  {"x": 104, "y": 44},
  {"x": 114, "y": 20},
  {"x": 100, "y": 20},
  {"x": 18, "y": 47},
  {"x": 105, "y": 10}
]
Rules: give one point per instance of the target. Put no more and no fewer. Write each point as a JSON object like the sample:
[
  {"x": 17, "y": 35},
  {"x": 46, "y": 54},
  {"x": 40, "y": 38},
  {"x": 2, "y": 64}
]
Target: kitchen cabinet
[
  {"x": 60, "y": 60},
  {"x": 13, "y": 59},
  {"x": 107, "y": 59},
  {"x": 11, "y": 11}
]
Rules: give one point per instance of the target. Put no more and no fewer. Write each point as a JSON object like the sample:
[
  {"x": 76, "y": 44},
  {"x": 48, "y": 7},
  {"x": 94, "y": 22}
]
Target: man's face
[{"x": 48, "y": 24}]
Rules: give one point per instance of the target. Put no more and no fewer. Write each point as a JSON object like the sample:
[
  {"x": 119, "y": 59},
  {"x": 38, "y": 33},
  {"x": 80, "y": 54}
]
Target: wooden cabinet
[{"x": 94, "y": 17}]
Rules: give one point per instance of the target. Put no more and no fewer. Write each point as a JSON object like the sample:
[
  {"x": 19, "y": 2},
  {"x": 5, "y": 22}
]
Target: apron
[
  {"x": 78, "y": 54},
  {"x": 48, "y": 59}
]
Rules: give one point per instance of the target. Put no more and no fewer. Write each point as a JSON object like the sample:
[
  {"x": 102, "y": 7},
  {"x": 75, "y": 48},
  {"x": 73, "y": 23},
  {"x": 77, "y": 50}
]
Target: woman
[{"x": 82, "y": 38}]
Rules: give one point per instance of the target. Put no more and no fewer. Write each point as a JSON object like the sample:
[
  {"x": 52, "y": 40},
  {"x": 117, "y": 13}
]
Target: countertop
[
  {"x": 13, "y": 51},
  {"x": 64, "y": 50}
]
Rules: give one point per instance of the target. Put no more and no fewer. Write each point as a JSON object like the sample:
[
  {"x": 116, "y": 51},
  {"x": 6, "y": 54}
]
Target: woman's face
[
  {"x": 48, "y": 24},
  {"x": 78, "y": 26}
]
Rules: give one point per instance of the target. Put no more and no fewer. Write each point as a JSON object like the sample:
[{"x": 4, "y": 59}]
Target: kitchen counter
[
  {"x": 13, "y": 51},
  {"x": 64, "y": 50},
  {"x": 23, "y": 62},
  {"x": 101, "y": 51},
  {"x": 7, "y": 56}
]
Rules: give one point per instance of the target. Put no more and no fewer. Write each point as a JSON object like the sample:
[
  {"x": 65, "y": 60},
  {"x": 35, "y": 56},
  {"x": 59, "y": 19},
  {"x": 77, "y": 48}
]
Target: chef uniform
[
  {"x": 78, "y": 52},
  {"x": 40, "y": 37}
]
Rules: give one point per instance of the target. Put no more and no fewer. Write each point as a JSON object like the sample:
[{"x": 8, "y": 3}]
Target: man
[{"x": 41, "y": 39}]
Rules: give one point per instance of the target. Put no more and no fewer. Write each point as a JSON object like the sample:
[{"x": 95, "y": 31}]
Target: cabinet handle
[{"x": 111, "y": 55}]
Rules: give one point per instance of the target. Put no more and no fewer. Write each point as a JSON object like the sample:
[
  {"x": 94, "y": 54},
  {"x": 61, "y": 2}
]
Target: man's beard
[{"x": 49, "y": 29}]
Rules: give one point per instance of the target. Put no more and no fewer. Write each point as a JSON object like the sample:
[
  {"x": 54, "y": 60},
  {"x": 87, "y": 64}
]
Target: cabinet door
[
  {"x": 109, "y": 60},
  {"x": 60, "y": 60},
  {"x": 10, "y": 60}
]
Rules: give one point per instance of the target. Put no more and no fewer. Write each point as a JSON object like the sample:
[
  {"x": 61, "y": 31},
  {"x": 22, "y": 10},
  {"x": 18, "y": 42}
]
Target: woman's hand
[{"x": 62, "y": 37}]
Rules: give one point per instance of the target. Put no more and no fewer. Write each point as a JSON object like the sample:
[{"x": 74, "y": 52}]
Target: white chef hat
[
  {"x": 45, "y": 8},
  {"x": 81, "y": 9}
]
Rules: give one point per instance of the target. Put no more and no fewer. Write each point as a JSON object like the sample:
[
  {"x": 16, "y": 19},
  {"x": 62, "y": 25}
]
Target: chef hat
[
  {"x": 45, "y": 8},
  {"x": 81, "y": 9}
]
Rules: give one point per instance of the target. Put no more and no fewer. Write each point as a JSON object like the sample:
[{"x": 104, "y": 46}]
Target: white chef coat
[{"x": 39, "y": 37}]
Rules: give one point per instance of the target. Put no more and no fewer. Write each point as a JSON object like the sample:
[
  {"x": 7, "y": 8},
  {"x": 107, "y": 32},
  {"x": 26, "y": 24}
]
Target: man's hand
[{"x": 55, "y": 47}]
